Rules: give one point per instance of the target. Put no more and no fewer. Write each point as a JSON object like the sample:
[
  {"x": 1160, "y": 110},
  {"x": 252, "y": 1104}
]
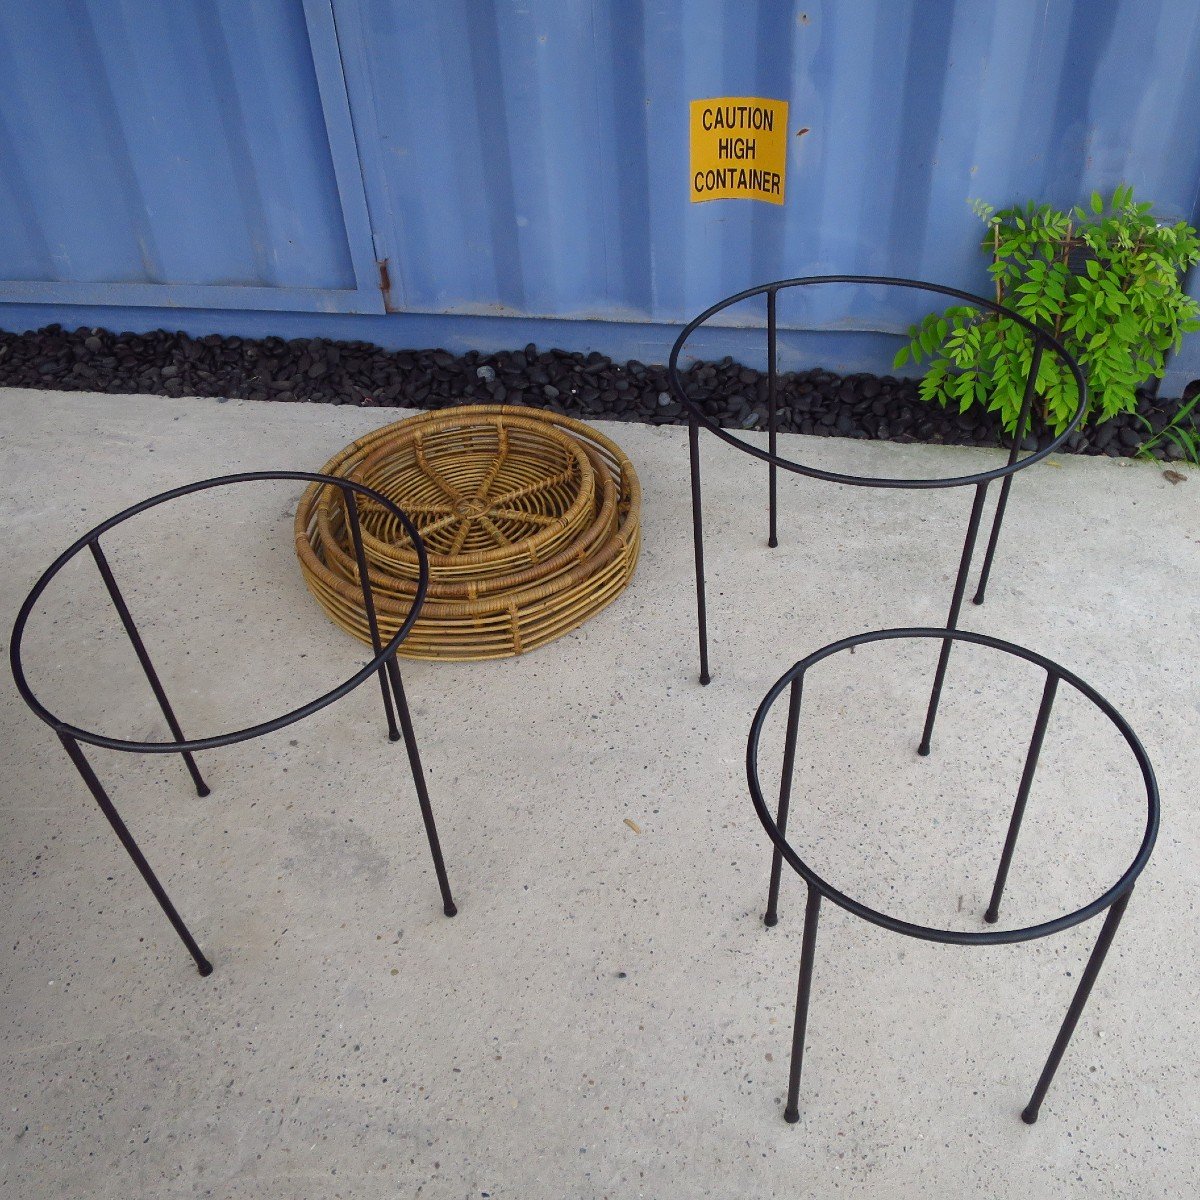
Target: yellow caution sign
[{"x": 739, "y": 149}]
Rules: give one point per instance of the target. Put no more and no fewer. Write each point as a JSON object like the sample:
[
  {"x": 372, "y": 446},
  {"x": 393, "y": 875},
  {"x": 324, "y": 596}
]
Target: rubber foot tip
[
  {"x": 394, "y": 736},
  {"x": 773, "y": 543},
  {"x": 923, "y": 749},
  {"x": 203, "y": 790},
  {"x": 771, "y": 920},
  {"x": 791, "y": 1115},
  {"x": 991, "y": 917},
  {"x": 705, "y": 679},
  {"x": 977, "y": 598},
  {"x": 205, "y": 967},
  {"x": 451, "y": 910},
  {"x": 1029, "y": 1116}
]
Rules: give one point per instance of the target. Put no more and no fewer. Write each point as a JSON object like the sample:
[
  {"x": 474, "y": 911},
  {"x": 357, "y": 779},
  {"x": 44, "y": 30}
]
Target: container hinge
[{"x": 385, "y": 284}]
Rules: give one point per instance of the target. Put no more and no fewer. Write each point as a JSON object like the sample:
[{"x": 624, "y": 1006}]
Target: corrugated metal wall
[
  {"x": 533, "y": 158},
  {"x": 176, "y": 153},
  {"x": 530, "y": 159}
]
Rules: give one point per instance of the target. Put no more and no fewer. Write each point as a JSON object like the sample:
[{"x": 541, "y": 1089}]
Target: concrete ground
[{"x": 607, "y": 1016}]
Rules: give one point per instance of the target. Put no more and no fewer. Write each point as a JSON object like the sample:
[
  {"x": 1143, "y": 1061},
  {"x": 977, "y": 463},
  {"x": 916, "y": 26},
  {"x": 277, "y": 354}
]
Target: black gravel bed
[{"x": 588, "y": 386}]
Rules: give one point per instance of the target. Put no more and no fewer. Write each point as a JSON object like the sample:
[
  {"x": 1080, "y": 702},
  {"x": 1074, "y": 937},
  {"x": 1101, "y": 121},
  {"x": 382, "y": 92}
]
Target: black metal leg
[
  {"x": 139, "y": 648},
  {"x": 772, "y": 422},
  {"x": 1030, "y": 1113},
  {"x": 698, "y": 540},
  {"x": 993, "y": 540},
  {"x": 364, "y": 580},
  {"x": 1014, "y": 825},
  {"x": 418, "y": 774},
  {"x": 1018, "y": 436},
  {"x": 808, "y": 951},
  {"x": 114, "y": 819},
  {"x": 785, "y": 795},
  {"x": 960, "y": 587}
]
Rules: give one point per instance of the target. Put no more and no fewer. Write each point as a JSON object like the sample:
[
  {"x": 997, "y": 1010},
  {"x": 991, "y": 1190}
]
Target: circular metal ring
[
  {"x": 252, "y": 731},
  {"x": 1039, "y": 335},
  {"x": 925, "y": 932}
]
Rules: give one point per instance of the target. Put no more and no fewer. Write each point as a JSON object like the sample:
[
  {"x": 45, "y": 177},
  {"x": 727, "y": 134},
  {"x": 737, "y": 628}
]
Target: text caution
[{"x": 739, "y": 149}]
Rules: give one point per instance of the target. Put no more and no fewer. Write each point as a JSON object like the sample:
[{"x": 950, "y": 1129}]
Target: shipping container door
[{"x": 197, "y": 153}]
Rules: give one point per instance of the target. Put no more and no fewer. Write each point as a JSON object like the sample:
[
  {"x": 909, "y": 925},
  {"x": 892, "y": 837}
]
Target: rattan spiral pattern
[{"x": 532, "y": 521}]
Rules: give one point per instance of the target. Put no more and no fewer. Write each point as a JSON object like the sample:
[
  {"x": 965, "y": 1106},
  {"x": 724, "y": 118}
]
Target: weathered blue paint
[{"x": 528, "y": 161}]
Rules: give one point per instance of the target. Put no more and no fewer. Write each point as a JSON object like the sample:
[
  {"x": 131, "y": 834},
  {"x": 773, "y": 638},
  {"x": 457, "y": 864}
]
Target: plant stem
[
  {"x": 1066, "y": 259},
  {"x": 996, "y": 259}
]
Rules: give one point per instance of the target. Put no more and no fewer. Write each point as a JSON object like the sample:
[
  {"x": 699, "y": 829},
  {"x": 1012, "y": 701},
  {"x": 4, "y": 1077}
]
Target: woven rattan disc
[
  {"x": 532, "y": 522},
  {"x": 488, "y": 495}
]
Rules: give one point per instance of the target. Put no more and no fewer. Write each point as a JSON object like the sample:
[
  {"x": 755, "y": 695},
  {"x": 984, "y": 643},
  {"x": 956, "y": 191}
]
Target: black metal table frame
[
  {"x": 1115, "y": 899},
  {"x": 1042, "y": 341},
  {"x": 383, "y": 663}
]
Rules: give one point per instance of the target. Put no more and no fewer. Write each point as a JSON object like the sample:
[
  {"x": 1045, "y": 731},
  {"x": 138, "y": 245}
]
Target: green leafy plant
[
  {"x": 1183, "y": 431},
  {"x": 1106, "y": 283}
]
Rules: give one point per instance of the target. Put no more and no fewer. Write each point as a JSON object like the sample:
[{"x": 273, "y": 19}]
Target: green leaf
[
  {"x": 1119, "y": 317},
  {"x": 930, "y": 388},
  {"x": 901, "y": 358}
]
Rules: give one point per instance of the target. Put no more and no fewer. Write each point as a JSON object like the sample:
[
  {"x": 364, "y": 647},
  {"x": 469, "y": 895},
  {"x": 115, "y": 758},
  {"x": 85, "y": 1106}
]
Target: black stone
[{"x": 316, "y": 370}]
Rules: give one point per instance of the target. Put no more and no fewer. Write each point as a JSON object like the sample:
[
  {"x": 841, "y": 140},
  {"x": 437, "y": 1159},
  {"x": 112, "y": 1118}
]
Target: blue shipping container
[{"x": 521, "y": 168}]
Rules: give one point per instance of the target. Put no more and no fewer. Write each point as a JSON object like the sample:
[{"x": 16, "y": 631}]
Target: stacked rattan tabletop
[{"x": 531, "y": 521}]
